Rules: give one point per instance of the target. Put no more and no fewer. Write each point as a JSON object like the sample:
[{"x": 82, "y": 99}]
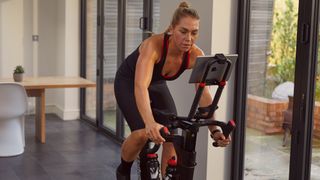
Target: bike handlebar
[
  {"x": 164, "y": 132},
  {"x": 226, "y": 130}
]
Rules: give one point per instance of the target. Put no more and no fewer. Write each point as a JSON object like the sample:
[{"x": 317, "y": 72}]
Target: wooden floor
[{"x": 73, "y": 151}]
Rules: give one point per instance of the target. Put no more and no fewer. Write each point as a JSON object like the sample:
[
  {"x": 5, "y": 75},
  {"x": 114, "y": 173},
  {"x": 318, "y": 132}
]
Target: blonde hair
[{"x": 184, "y": 10}]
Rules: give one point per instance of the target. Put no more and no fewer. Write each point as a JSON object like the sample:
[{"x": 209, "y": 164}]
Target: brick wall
[
  {"x": 316, "y": 126},
  {"x": 265, "y": 115}
]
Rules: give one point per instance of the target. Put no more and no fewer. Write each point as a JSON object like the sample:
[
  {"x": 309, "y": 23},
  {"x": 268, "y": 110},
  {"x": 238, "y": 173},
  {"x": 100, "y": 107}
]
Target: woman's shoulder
[
  {"x": 195, "y": 51},
  {"x": 155, "y": 42},
  {"x": 151, "y": 48},
  {"x": 156, "y": 39}
]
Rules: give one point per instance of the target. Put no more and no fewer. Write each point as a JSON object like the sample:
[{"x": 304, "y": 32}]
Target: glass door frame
[
  {"x": 83, "y": 53},
  {"x": 305, "y": 73},
  {"x": 118, "y": 135}
]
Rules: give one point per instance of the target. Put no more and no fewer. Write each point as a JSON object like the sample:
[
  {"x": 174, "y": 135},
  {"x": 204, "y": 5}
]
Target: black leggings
[{"x": 160, "y": 98}]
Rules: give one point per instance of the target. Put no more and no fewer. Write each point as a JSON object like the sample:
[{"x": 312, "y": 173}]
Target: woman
[{"x": 140, "y": 85}]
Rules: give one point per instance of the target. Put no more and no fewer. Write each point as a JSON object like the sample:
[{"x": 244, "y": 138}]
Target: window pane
[
  {"x": 315, "y": 166},
  {"x": 272, "y": 46},
  {"x": 110, "y": 62},
  {"x": 91, "y": 54},
  {"x": 133, "y": 35},
  {"x": 156, "y": 17}
]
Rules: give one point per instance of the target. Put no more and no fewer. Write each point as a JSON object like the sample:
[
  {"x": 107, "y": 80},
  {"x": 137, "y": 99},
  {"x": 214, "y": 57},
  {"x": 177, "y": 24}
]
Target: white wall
[
  {"x": 11, "y": 36},
  {"x": 72, "y": 56},
  {"x": 27, "y": 36},
  {"x": 55, "y": 54},
  {"x": 47, "y": 27},
  {"x": 16, "y": 46},
  {"x": 223, "y": 40},
  {"x": 59, "y": 52},
  {"x": 217, "y": 34}
]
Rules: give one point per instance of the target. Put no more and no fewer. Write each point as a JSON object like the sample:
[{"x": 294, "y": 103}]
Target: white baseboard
[
  {"x": 64, "y": 114},
  {"x": 71, "y": 114}
]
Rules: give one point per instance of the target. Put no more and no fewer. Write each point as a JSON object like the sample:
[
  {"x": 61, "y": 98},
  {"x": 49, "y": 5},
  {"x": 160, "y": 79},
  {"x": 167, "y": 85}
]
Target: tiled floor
[{"x": 73, "y": 151}]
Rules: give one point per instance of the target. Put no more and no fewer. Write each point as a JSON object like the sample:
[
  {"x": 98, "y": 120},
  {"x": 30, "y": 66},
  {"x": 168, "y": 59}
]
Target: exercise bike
[{"x": 208, "y": 70}]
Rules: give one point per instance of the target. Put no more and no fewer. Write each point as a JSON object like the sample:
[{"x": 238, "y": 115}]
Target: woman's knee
[{"x": 140, "y": 136}]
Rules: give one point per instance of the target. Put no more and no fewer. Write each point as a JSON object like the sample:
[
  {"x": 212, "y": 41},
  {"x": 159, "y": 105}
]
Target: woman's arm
[{"x": 143, "y": 75}]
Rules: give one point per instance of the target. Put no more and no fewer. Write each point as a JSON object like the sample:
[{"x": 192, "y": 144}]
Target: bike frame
[{"x": 185, "y": 144}]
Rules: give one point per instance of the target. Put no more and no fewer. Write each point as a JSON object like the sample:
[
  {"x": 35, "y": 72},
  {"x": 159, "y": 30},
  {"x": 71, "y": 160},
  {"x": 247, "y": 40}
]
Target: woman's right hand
[{"x": 153, "y": 132}]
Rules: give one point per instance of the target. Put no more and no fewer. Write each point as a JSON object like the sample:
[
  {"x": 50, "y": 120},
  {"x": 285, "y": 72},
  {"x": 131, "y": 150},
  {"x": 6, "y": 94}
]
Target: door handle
[
  {"x": 302, "y": 107},
  {"x": 305, "y": 33},
  {"x": 143, "y": 23}
]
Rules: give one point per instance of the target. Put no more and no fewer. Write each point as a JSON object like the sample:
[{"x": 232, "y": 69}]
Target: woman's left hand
[{"x": 220, "y": 139}]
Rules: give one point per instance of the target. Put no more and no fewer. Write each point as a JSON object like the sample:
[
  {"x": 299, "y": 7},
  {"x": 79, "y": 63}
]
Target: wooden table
[{"x": 36, "y": 86}]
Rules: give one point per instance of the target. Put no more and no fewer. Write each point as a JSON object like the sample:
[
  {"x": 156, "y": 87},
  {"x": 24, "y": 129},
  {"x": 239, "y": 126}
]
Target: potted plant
[{"x": 18, "y": 73}]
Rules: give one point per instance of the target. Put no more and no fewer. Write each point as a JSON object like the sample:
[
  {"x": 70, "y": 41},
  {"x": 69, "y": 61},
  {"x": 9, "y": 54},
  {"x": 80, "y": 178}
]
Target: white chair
[{"x": 13, "y": 105}]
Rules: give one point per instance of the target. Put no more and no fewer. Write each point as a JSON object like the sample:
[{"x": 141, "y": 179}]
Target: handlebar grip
[
  {"x": 227, "y": 129},
  {"x": 215, "y": 144},
  {"x": 164, "y": 132}
]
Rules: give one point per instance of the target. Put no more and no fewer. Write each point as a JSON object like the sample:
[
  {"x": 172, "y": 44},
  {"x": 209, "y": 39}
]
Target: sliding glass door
[
  {"x": 111, "y": 30},
  {"x": 133, "y": 33},
  {"x": 89, "y": 58},
  {"x": 270, "y": 86},
  {"x": 276, "y": 102},
  {"x": 110, "y": 63}
]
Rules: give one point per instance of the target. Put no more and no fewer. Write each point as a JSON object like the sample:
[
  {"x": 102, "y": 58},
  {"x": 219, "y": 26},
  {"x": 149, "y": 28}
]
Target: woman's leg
[
  {"x": 133, "y": 144},
  {"x": 167, "y": 153},
  {"x": 124, "y": 93},
  {"x": 130, "y": 149},
  {"x": 162, "y": 100}
]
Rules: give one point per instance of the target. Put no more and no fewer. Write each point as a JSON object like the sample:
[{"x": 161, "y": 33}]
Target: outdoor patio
[{"x": 267, "y": 159}]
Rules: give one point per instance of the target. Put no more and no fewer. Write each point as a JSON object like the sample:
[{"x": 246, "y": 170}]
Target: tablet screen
[{"x": 216, "y": 72}]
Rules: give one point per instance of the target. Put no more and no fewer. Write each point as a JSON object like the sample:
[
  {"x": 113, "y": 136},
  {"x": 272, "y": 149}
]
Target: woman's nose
[{"x": 188, "y": 37}]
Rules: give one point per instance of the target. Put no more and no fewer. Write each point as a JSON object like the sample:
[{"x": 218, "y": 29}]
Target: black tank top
[{"x": 127, "y": 68}]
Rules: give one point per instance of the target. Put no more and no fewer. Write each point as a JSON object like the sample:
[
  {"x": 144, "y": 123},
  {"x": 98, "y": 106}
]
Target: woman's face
[{"x": 185, "y": 33}]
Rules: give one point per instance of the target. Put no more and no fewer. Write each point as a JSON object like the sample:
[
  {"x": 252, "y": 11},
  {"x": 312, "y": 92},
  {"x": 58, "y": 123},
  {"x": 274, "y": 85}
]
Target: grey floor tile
[
  {"x": 8, "y": 174},
  {"x": 73, "y": 150}
]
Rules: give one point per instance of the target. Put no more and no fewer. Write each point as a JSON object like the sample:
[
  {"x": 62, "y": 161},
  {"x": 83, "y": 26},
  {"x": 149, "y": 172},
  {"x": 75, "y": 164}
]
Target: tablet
[{"x": 217, "y": 72}]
